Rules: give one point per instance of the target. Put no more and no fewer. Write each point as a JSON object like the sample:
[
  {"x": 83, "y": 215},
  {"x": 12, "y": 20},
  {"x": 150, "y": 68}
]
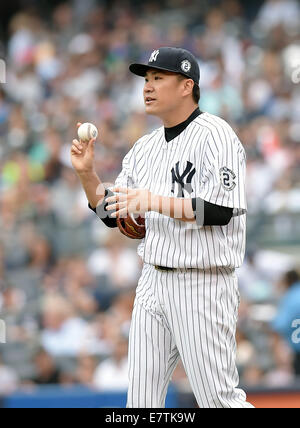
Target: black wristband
[
  {"x": 207, "y": 214},
  {"x": 102, "y": 213}
]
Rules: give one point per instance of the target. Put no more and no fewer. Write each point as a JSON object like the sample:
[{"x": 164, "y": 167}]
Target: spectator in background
[
  {"x": 112, "y": 374},
  {"x": 282, "y": 373},
  {"x": 63, "y": 331},
  {"x": 116, "y": 261},
  {"x": 287, "y": 320},
  {"x": 46, "y": 371},
  {"x": 279, "y": 12},
  {"x": 85, "y": 370},
  {"x": 9, "y": 381}
]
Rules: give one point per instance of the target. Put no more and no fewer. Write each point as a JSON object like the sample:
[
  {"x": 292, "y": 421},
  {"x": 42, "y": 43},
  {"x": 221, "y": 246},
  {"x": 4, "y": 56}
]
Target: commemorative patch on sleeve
[{"x": 227, "y": 178}]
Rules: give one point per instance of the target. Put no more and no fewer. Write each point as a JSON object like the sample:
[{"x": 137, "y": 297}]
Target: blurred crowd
[{"x": 67, "y": 283}]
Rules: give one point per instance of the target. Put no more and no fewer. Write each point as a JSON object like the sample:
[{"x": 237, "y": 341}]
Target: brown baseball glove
[{"x": 133, "y": 228}]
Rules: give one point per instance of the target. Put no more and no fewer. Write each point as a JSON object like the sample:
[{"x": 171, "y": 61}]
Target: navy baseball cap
[{"x": 177, "y": 60}]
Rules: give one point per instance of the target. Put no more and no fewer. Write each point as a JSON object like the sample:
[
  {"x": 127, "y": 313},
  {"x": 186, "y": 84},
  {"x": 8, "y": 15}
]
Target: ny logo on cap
[{"x": 154, "y": 56}]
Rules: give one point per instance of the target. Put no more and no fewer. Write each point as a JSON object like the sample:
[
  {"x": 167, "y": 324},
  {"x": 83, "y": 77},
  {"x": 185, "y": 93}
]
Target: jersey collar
[{"x": 171, "y": 133}]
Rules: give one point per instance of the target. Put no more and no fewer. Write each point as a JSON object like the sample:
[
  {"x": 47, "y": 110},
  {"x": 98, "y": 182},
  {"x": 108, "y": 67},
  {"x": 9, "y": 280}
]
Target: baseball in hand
[{"x": 87, "y": 131}]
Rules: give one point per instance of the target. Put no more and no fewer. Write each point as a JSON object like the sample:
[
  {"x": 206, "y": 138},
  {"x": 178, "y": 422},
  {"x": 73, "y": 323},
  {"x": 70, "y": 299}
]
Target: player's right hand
[{"x": 83, "y": 155}]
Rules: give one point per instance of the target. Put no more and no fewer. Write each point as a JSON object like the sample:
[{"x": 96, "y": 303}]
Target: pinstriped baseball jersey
[
  {"x": 188, "y": 313},
  {"x": 205, "y": 161}
]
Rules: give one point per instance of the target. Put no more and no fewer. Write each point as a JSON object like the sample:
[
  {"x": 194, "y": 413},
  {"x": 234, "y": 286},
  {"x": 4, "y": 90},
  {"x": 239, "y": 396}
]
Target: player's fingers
[
  {"x": 120, "y": 214},
  {"x": 77, "y": 144},
  {"x": 125, "y": 190},
  {"x": 91, "y": 146},
  {"x": 75, "y": 150},
  {"x": 116, "y": 206},
  {"x": 84, "y": 143},
  {"x": 112, "y": 199},
  {"x": 79, "y": 124},
  {"x": 117, "y": 198}
]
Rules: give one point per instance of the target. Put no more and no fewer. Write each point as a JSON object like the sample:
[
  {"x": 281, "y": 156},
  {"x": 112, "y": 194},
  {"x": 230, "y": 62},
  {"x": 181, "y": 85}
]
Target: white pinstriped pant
[{"x": 190, "y": 314}]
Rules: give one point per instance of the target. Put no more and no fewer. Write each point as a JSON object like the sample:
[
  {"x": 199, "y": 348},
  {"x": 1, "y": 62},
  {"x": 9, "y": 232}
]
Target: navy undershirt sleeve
[
  {"x": 207, "y": 214},
  {"x": 103, "y": 214}
]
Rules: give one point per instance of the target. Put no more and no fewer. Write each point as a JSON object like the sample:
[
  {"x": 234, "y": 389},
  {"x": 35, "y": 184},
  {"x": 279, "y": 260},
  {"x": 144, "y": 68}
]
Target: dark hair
[
  {"x": 291, "y": 277},
  {"x": 196, "y": 93},
  {"x": 196, "y": 89}
]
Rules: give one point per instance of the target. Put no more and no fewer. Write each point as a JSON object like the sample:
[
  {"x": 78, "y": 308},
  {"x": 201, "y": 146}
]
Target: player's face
[{"x": 162, "y": 92}]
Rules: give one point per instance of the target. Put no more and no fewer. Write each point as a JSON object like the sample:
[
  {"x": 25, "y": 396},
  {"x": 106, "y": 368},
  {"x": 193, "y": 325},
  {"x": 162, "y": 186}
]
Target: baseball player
[{"x": 187, "y": 179}]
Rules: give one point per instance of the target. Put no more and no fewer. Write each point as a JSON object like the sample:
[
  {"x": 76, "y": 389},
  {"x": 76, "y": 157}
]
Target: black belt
[
  {"x": 169, "y": 269},
  {"x": 164, "y": 268},
  {"x": 214, "y": 270}
]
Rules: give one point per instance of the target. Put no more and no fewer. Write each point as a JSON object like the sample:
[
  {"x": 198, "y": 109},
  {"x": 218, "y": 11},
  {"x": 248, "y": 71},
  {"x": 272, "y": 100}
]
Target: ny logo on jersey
[
  {"x": 154, "y": 56},
  {"x": 187, "y": 175}
]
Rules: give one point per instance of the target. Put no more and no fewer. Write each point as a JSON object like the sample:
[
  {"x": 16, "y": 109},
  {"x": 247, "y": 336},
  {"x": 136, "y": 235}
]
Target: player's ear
[{"x": 188, "y": 85}]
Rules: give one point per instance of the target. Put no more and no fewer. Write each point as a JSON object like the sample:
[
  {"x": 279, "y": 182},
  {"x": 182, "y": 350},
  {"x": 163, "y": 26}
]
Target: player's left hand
[{"x": 129, "y": 201}]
